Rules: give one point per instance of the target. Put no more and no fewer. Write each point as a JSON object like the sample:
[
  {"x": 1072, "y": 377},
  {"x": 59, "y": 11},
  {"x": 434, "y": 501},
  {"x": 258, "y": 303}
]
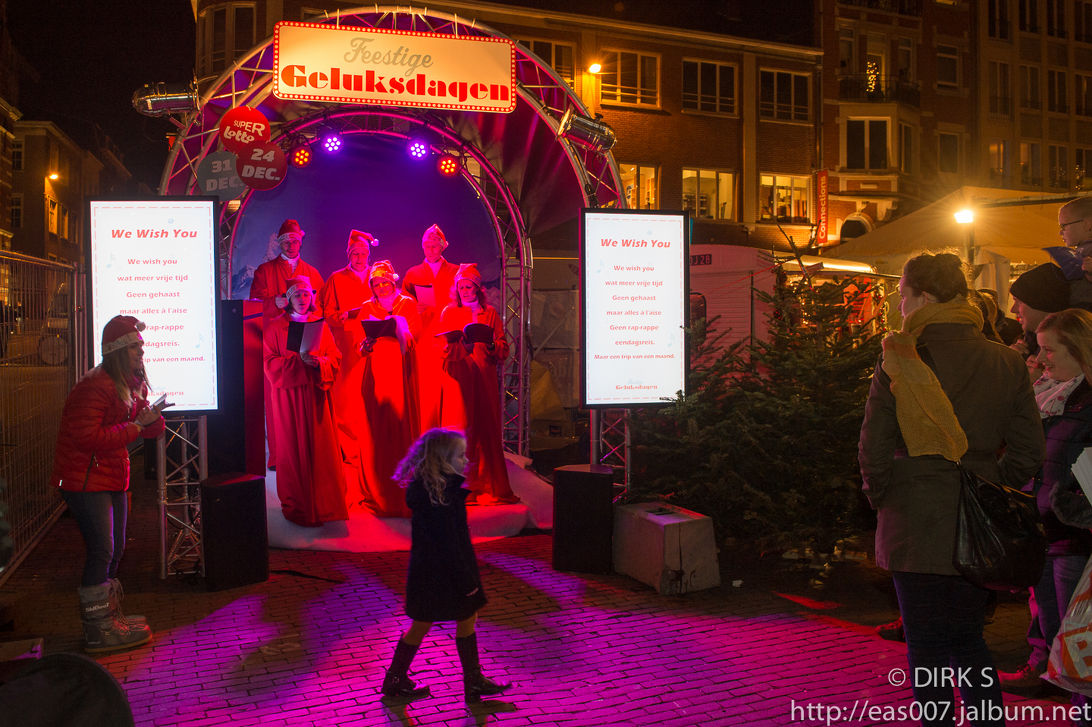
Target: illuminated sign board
[
  {"x": 314, "y": 62},
  {"x": 155, "y": 259},
  {"x": 633, "y": 306}
]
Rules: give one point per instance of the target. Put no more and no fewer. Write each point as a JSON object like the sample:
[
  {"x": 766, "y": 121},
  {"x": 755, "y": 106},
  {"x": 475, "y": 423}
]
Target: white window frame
[
  {"x": 611, "y": 93},
  {"x": 551, "y": 57},
  {"x": 769, "y": 112},
  {"x": 867, "y": 121},
  {"x": 640, "y": 191},
  {"x": 721, "y": 108},
  {"x": 774, "y": 185},
  {"x": 945, "y": 50},
  {"x": 220, "y": 61},
  {"x": 719, "y": 176}
]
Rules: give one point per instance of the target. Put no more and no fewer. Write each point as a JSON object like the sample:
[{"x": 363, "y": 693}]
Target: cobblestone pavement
[{"x": 309, "y": 646}]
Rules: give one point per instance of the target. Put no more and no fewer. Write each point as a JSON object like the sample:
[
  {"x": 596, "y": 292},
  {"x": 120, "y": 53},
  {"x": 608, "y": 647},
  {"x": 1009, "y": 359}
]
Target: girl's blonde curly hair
[{"x": 429, "y": 459}]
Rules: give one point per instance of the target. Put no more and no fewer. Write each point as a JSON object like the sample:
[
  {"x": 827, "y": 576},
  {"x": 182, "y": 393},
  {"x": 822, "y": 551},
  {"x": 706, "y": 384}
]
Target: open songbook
[
  {"x": 377, "y": 329},
  {"x": 425, "y": 295},
  {"x": 303, "y": 336},
  {"x": 470, "y": 333}
]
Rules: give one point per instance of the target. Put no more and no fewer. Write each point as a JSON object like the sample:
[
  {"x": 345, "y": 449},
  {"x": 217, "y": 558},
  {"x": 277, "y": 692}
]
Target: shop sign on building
[
  {"x": 823, "y": 204},
  {"x": 314, "y": 62}
]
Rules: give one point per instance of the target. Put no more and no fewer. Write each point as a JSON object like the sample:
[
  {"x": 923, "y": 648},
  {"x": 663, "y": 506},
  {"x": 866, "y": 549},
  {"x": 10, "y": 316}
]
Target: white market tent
[{"x": 1010, "y": 230}]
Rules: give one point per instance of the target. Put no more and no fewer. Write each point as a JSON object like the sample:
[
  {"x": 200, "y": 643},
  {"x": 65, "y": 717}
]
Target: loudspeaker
[
  {"x": 234, "y": 536},
  {"x": 583, "y": 518}
]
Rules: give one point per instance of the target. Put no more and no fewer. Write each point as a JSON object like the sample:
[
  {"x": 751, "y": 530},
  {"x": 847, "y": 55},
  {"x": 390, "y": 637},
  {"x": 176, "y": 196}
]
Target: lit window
[
  {"x": 639, "y": 183},
  {"x": 559, "y": 56},
  {"x": 866, "y": 144},
  {"x": 784, "y": 95},
  {"x": 630, "y": 78},
  {"x": 1082, "y": 92},
  {"x": 52, "y": 216},
  {"x": 709, "y": 87},
  {"x": 709, "y": 194},
  {"x": 1082, "y": 164},
  {"x": 1031, "y": 163},
  {"x": 784, "y": 198},
  {"x": 998, "y": 152}
]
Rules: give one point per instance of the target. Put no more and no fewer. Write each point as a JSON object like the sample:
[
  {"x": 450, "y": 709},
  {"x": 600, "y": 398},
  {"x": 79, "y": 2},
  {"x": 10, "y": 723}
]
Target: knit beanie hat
[
  {"x": 1043, "y": 288},
  {"x": 119, "y": 332}
]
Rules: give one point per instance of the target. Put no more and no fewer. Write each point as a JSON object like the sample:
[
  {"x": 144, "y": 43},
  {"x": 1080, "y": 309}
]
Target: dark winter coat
[
  {"x": 917, "y": 497},
  {"x": 1067, "y": 435},
  {"x": 443, "y": 582}
]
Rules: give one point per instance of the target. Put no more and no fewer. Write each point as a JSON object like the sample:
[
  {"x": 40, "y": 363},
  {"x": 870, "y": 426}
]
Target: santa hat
[
  {"x": 435, "y": 234},
  {"x": 290, "y": 229},
  {"x": 1043, "y": 288},
  {"x": 297, "y": 283},
  {"x": 469, "y": 271},
  {"x": 120, "y": 332},
  {"x": 383, "y": 270},
  {"x": 359, "y": 237}
]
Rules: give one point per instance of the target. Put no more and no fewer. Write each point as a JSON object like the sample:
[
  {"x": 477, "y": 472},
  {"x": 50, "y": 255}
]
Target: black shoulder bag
[{"x": 1000, "y": 543}]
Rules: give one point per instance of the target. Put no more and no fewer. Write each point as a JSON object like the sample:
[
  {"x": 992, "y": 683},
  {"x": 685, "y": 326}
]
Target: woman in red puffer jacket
[{"x": 106, "y": 411}]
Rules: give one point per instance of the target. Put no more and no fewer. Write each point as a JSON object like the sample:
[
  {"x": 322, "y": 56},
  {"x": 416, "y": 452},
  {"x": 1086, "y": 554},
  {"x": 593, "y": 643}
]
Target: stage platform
[{"x": 366, "y": 533}]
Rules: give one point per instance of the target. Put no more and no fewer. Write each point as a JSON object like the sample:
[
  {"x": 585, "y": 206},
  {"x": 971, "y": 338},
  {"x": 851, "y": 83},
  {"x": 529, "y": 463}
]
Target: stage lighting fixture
[
  {"x": 301, "y": 156},
  {"x": 592, "y": 133},
  {"x": 448, "y": 165},
  {"x": 417, "y": 149},
  {"x": 332, "y": 143}
]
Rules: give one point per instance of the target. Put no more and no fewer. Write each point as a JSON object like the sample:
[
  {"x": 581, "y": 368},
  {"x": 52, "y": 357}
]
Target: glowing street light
[{"x": 965, "y": 216}]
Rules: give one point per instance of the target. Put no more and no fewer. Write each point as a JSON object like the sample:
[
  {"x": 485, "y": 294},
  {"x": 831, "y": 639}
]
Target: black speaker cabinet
[
  {"x": 233, "y": 531},
  {"x": 583, "y": 518}
]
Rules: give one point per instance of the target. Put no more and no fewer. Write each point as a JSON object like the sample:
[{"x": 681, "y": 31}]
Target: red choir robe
[
  {"x": 429, "y": 350},
  {"x": 343, "y": 292},
  {"x": 476, "y": 375},
  {"x": 310, "y": 484},
  {"x": 269, "y": 282},
  {"x": 389, "y": 394}
]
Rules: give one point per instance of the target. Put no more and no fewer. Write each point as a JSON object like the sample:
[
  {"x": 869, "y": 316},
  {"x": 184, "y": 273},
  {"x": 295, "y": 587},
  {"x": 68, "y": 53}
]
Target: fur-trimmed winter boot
[
  {"x": 101, "y": 631},
  {"x": 117, "y": 593},
  {"x": 397, "y": 682},
  {"x": 475, "y": 685}
]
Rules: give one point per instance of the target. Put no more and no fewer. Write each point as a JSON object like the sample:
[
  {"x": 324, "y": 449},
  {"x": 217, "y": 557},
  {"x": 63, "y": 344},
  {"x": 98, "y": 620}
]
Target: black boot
[
  {"x": 397, "y": 682},
  {"x": 475, "y": 686}
]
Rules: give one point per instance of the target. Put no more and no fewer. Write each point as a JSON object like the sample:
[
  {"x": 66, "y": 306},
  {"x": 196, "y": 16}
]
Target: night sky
[{"x": 91, "y": 56}]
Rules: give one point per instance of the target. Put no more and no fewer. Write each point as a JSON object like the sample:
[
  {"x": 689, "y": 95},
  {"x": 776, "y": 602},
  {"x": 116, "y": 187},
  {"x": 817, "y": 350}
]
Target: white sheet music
[{"x": 1082, "y": 470}]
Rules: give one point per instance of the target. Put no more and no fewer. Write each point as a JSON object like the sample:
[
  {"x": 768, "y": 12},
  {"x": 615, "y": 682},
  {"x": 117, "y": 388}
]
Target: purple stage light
[
  {"x": 332, "y": 143},
  {"x": 417, "y": 149}
]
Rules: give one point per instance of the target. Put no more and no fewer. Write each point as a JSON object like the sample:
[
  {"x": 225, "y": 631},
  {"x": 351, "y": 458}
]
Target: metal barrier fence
[{"x": 41, "y": 343}]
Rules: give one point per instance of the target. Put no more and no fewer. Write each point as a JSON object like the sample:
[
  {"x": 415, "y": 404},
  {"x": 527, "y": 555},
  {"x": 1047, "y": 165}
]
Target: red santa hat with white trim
[
  {"x": 359, "y": 238},
  {"x": 290, "y": 228},
  {"x": 469, "y": 271},
  {"x": 383, "y": 269},
  {"x": 119, "y": 332},
  {"x": 435, "y": 234}
]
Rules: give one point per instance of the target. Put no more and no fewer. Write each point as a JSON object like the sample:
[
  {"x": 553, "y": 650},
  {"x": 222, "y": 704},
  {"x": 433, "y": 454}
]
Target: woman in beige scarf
[{"x": 969, "y": 399}]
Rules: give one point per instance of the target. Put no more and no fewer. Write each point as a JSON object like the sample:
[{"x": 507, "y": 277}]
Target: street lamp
[{"x": 966, "y": 217}]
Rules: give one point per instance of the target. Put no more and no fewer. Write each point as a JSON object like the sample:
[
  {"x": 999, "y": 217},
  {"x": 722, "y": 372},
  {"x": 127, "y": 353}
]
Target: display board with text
[
  {"x": 155, "y": 259},
  {"x": 634, "y": 306}
]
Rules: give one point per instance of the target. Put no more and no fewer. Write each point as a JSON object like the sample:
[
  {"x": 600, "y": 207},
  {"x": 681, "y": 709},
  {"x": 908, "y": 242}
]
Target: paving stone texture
[{"x": 309, "y": 646}]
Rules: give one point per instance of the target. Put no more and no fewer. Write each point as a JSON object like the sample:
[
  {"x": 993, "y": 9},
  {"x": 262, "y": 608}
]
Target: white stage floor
[{"x": 365, "y": 533}]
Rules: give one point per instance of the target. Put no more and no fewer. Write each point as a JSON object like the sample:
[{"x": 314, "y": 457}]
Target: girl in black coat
[{"x": 443, "y": 582}]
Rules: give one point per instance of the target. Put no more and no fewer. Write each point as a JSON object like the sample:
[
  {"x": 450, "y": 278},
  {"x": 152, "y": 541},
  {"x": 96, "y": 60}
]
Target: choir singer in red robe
[
  {"x": 473, "y": 363},
  {"x": 430, "y": 283},
  {"x": 301, "y": 366},
  {"x": 340, "y": 299},
  {"x": 388, "y": 387}
]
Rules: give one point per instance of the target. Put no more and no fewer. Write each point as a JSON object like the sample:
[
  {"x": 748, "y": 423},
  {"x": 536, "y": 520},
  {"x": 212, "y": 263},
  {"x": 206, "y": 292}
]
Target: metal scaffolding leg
[
  {"x": 610, "y": 440},
  {"x": 182, "y": 463}
]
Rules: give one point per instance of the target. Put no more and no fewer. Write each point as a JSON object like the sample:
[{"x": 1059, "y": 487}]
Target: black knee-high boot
[
  {"x": 475, "y": 686},
  {"x": 397, "y": 682}
]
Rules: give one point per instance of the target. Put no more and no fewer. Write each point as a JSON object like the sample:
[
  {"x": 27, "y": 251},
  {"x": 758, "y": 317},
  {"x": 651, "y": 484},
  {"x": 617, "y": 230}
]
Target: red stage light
[
  {"x": 301, "y": 157},
  {"x": 448, "y": 165}
]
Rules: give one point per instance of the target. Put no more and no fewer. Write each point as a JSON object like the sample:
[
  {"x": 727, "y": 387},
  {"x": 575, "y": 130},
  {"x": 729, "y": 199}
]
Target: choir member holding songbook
[
  {"x": 268, "y": 286},
  {"x": 430, "y": 283},
  {"x": 473, "y": 348},
  {"x": 301, "y": 362},
  {"x": 390, "y": 322},
  {"x": 340, "y": 300}
]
